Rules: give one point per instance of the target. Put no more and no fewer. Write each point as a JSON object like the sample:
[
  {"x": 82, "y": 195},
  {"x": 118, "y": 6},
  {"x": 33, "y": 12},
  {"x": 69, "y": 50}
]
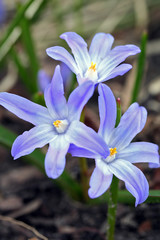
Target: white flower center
[
  {"x": 61, "y": 125},
  {"x": 112, "y": 155},
  {"x": 91, "y": 73}
]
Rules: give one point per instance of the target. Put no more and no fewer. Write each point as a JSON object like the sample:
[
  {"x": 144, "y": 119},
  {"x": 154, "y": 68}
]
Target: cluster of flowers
[{"x": 58, "y": 124}]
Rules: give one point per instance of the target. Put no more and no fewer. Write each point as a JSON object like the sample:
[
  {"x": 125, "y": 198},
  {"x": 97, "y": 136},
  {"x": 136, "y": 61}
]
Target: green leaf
[
  {"x": 13, "y": 32},
  {"x": 23, "y": 73},
  {"x": 140, "y": 68},
  {"x": 126, "y": 197},
  {"x": 31, "y": 53}
]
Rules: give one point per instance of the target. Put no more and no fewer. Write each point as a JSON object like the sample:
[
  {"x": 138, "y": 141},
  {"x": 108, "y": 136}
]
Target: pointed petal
[
  {"x": 79, "y": 50},
  {"x": 99, "y": 183},
  {"x": 100, "y": 46},
  {"x": 115, "y": 57},
  {"x": 134, "y": 179},
  {"x": 132, "y": 122},
  {"x": 56, "y": 157},
  {"x": 107, "y": 111},
  {"x": 54, "y": 96},
  {"x": 25, "y": 109},
  {"x": 43, "y": 80},
  {"x": 37, "y": 137},
  {"x": 61, "y": 54},
  {"x": 154, "y": 165},
  {"x": 81, "y": 152},
  {"x": 85, "y": 137},
  {"x": 140, "y": 152},
  {"x": 118, "y": 71},
  {"x": 78, "y": 98}
]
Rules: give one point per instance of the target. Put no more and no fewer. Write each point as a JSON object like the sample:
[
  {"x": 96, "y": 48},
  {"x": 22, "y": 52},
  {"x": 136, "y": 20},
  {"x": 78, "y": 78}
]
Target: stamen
[
  {"x": 57, "y": 123},
  {"x": 91, "y": 73},
  {"x": 61, "y": 125},
  {"x": 113, "y": 151},
  {"x": 92, "y": 67}
]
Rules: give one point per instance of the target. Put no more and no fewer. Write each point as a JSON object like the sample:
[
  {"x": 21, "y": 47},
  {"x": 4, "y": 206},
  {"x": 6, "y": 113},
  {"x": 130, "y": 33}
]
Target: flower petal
[
  {"x": 37, "y": 137},
  {"x": 100, "y": 46},
  {"x": 115, "y": 57},
  {"x": 54, "y": 96},
  {"x": 120, "y": 70},
  {"x": 81, "y": 152},
  {"x": 135, "y": 181},
  {"x": 56, "y": 157},
  {"x": 61, "y": 54},
  {"x": 99, "y": 183},
  {"x": 25, "y": 109},
  {"x": 78, "y": 98},
  {"x": 107, "y": 111},
  {"x": 132, "y": 122},
  {"x": 154, "y": 165},
  {"x": 140, "y": 152},
  {"x": 85, "y": 137},
  {"x": 79, "y": 50}
]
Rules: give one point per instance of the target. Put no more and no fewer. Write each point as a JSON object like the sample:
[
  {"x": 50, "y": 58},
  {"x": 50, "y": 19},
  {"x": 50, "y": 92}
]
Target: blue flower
[
  {"x": 122, "y": 152},
  {"x": 98, "y": 64},
  {"x": 58, "y": 124}
]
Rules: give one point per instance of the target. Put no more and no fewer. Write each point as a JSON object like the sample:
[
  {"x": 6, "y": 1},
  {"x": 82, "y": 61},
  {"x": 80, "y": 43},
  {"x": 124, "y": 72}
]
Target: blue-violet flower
[
  {"x": 58, "y": 124},
  {"x": 122, "y": 152},
  {"x": 98, "y": 64}
]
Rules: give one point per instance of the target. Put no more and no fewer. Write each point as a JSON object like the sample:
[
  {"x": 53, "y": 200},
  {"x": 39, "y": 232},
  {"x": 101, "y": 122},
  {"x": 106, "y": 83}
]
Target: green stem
[
  {"x": 112, "y": 207},
  {"x": 113, "y": 192}
]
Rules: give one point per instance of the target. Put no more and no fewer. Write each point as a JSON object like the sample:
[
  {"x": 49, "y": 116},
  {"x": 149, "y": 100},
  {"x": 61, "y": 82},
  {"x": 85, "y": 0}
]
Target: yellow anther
[
  {"x": 113, "y": 151},
  {"x": 92, "y": 67},
  {"x": 57, "y": 123}
]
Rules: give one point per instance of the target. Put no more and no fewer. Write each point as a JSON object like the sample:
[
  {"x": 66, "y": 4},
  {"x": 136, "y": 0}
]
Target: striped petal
[
  {"x": 37, "y": 137},
  {"x": 25, "y": 109},
  {"x": 79, "y": 50},
  {"x": 54, "y": 97}
]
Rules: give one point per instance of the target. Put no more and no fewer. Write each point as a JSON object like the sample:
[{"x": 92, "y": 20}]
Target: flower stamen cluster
[
  {"x": 57, "y": 123},
  {"x": 113, "y": 151},
  {"x": 93, "y": 66},
  {"x": 61, "y": 125}
]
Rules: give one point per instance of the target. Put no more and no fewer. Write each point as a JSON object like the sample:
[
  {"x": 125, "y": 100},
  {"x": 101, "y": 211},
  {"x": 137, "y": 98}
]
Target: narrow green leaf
[
  {"x": 30, "y": 51},
  {"x": 126, "y": 197},
  {"x": 23, "y": 73},
  {"x": 140, "y": 68},
  {"x": 15, "y": 21},
  {"x": 13, "y": 32}
]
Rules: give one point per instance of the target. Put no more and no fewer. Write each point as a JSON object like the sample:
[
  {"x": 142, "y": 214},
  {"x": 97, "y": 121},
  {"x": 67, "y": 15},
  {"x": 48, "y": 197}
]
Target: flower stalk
[{"x": 113, "y": 191}]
